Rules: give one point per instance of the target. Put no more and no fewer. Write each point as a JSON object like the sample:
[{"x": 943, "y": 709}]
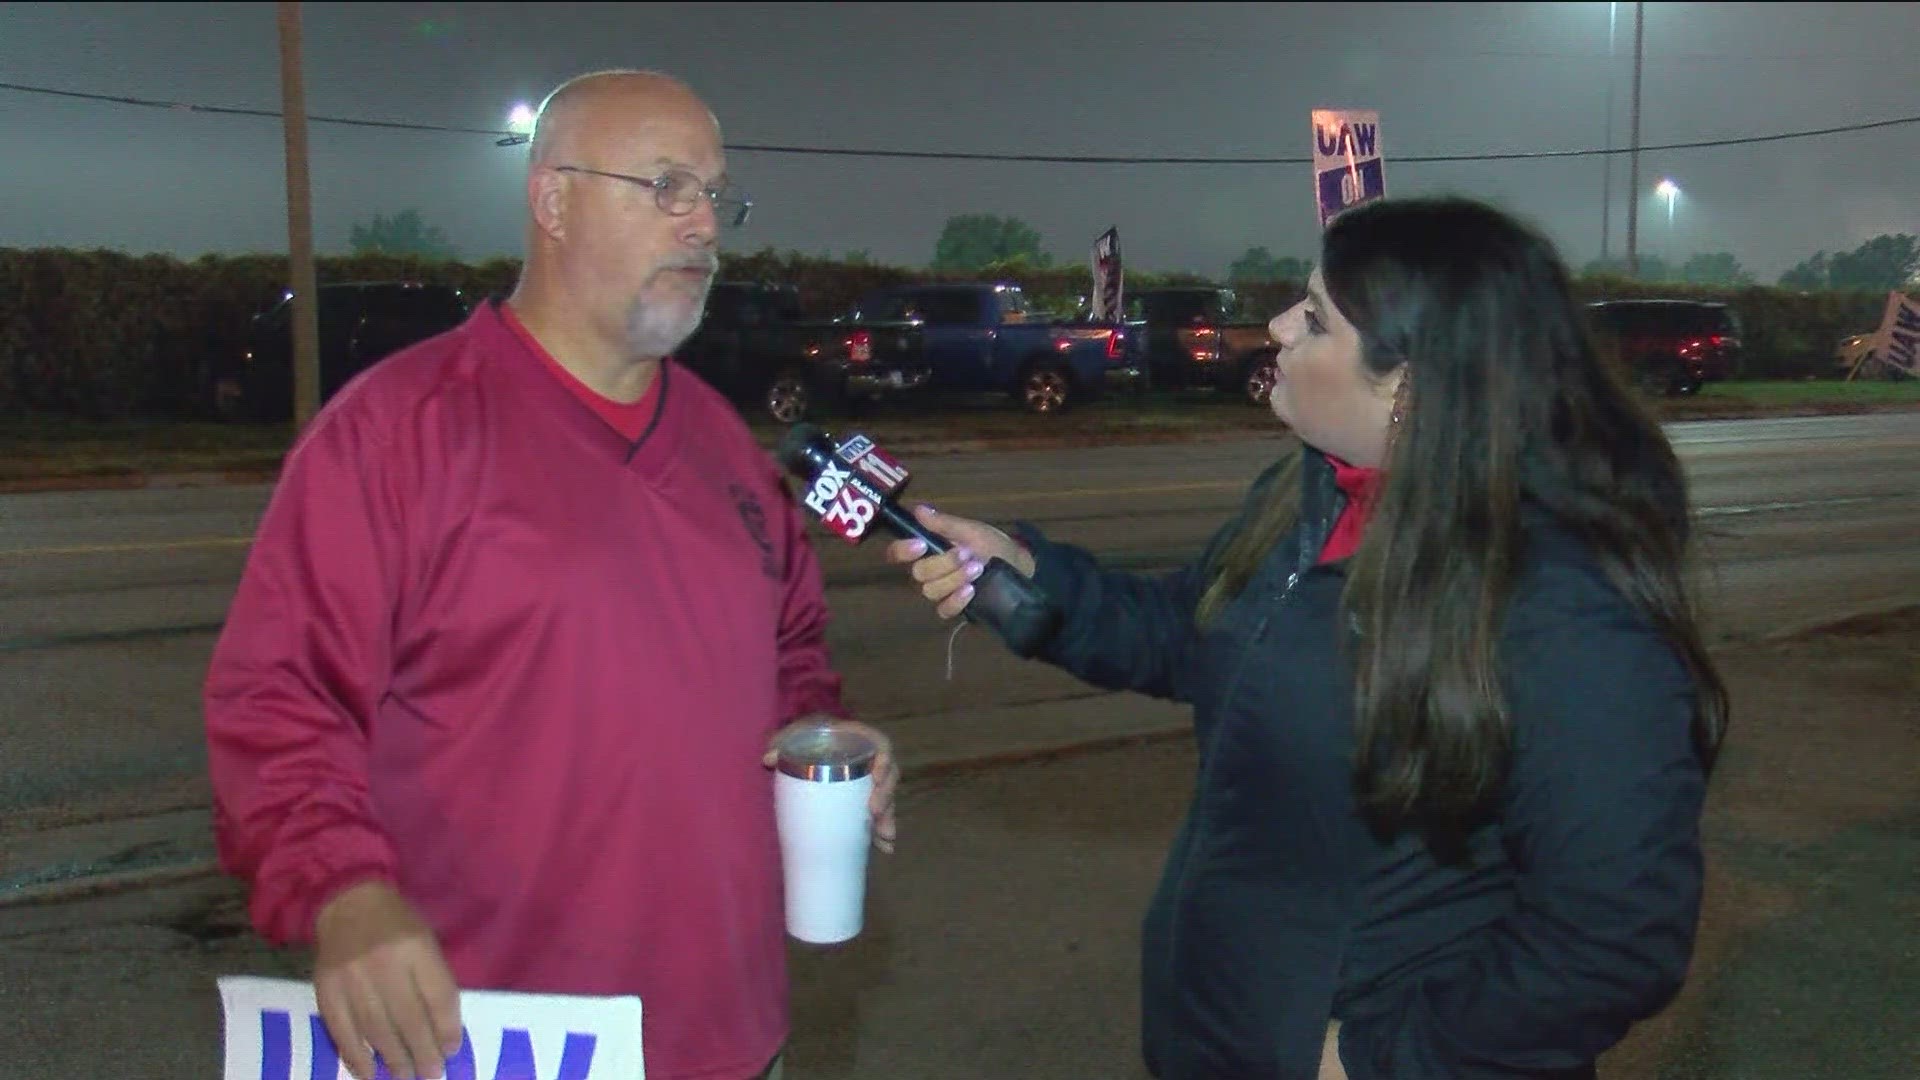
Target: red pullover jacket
[{"x": 492, "y": 651}]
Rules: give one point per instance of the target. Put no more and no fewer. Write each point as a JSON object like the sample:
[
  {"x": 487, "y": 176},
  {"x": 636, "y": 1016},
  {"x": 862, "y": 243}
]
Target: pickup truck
[
  {"x": 754, "y": 347},
  {"x": 987, "y": 339},
  {"x": 1192, "y": 340}
]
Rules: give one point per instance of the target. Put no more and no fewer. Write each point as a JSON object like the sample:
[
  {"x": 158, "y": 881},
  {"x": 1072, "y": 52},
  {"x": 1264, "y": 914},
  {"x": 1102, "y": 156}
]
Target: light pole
[
  {"x": 1633, "y": 159},
  {"x": 305, "y": 308}
]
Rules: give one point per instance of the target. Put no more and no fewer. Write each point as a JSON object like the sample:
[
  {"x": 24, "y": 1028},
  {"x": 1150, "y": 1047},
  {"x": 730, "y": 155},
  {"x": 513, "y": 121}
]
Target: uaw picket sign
[
  {"x": 1349, "y": 165},
  {"x": 1107, "y": 276},
  {"x": 1898, "y": 342},
  {"x": 274, "y": 1032}
]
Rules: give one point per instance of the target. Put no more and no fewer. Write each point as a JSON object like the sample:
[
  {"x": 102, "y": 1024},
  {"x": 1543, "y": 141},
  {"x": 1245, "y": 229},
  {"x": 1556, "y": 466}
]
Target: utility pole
[
  {"x": 1606, "y": 176},
  {"x": 306, "y": 300},
  {"x": 1633, "y": 169}
]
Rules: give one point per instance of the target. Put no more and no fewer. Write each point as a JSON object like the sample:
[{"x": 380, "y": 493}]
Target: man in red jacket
[{"x": 492, "y": 703}]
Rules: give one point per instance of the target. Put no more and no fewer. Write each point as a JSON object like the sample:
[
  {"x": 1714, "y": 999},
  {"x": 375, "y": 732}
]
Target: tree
[
  {"x": 1715, "y": 268},
  {"x": 1884, "y": 262},
  {"x": 977, "y": 241},
  {"x": 1810, "y": 274},
  {"x": 405, "y": 233},
  {"x": 1259, "y": 264},
  {"x": 1652, "y": 268}
]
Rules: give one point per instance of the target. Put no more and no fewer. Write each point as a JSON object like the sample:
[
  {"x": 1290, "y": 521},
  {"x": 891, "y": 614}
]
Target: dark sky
[{"x": 1138, "y": 79}]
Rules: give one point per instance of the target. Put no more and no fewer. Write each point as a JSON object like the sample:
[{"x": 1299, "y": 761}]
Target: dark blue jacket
[{"x": 1278, "y": 910}]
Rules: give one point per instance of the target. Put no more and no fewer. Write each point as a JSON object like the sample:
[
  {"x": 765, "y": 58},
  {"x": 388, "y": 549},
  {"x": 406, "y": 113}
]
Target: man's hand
[
  {"x": 383, "y": 986},
  {"x": 886, "y": 778}
]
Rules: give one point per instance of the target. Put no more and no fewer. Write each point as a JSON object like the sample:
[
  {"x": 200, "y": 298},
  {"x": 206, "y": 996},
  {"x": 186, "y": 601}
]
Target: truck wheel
[
  {"x": 788, "y": 400},
  {"x": 1046, "y": 388},
  {"x": 1260, "y": 375},
  {"x": 1663, "y": 377}
]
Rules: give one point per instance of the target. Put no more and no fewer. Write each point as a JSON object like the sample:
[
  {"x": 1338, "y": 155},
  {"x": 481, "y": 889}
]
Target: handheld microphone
[{"x": 851, "y": 484}]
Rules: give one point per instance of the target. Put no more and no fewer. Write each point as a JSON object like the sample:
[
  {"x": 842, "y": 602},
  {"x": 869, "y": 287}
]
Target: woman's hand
[
  {"x": 947, "y": 579},
  {"x": 1330, "y": 1067}
]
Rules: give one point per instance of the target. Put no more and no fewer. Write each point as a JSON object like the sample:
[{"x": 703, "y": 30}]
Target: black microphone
[{"x": 852, "y": 483}]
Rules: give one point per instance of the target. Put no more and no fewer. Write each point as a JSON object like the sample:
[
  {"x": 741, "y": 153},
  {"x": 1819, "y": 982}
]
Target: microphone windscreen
[{"x": 793, "y": 448}]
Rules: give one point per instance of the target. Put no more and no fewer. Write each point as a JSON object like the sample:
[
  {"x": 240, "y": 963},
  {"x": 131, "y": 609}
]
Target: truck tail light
[
  {"x": 860, "y": 346},
  {"x": 1116, "y": 344}
]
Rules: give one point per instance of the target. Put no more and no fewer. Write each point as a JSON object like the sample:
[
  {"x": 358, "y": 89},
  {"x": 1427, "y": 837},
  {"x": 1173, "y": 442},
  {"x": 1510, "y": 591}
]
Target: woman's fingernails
[
  {"x": 962, "y": 553},
  {"x": 974, "y": 570},
  {"x": 918, "y": 547}
]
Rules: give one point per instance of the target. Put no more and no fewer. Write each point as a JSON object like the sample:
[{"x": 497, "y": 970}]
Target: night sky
[{"x": 1126, "y": 79}]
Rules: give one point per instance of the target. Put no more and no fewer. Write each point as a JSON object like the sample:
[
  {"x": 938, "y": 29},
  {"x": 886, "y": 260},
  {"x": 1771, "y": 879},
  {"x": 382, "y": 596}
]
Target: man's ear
[{"x": 546, "y": 198}]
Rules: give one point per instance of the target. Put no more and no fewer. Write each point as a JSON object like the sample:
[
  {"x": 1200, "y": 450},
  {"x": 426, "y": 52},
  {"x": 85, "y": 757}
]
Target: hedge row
[{"x": 105, "y": 334}]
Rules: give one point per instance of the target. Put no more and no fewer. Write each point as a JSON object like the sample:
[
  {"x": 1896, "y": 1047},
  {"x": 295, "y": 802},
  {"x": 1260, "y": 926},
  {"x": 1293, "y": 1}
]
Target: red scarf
[{"x": 1361, "y": 486}]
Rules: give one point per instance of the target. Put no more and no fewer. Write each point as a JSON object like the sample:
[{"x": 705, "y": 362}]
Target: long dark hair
[{"x": 1508, "y": 401}]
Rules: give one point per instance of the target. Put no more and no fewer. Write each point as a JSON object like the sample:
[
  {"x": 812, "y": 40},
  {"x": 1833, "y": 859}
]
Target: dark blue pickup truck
[{"x": 986, "y": 338}]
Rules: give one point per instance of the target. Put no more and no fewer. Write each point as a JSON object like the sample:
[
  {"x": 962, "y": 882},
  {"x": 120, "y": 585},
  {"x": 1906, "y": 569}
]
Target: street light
[
  {"x": 1669, "y": 191},
  {"x": 520, "y": 123}
]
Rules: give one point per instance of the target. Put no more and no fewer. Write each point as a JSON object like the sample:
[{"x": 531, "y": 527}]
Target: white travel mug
[{"x": 822, "y": 778}]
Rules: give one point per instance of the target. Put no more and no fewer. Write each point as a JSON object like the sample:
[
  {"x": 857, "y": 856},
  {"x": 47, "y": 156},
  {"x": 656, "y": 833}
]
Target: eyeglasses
[{"x": 678, "y": 191}]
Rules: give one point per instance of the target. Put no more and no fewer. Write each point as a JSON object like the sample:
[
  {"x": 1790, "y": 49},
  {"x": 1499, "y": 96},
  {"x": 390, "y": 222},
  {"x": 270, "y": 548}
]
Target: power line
[{"x": 508, "y": 137}]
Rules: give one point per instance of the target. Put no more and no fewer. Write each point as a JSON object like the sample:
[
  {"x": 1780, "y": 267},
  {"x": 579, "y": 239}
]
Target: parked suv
[
  {"x": 361, "y": 322},
  {"x": 1667, "y": 346}
]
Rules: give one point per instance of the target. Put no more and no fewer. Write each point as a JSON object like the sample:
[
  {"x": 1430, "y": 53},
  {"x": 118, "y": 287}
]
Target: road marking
[
  {"x": 127, "y": 546},
  {"x": 1762, "y": 508},
  {"x": 992, "y": 498}
]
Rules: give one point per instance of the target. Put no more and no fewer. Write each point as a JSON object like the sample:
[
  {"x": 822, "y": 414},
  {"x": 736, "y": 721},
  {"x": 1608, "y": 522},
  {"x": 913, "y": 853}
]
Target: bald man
[{"x": 491, "y": 705}]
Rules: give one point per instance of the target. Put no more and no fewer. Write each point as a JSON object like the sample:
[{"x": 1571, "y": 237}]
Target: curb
[
  {"x": 1836, "y": 623},
  {"x": 99, "y": 885},
  {"x": 940, "y": 768}
]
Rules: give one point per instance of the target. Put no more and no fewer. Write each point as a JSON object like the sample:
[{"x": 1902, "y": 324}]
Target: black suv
[
  {"x": 361, "y": 322},
  {"x": 1667, "y": 346}
]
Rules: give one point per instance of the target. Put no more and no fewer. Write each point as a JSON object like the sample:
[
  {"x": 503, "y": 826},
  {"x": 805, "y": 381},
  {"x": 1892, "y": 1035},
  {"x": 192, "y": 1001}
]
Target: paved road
[
  {"x": 972, "y": 965},
  {"x": 109, "y": 602}
]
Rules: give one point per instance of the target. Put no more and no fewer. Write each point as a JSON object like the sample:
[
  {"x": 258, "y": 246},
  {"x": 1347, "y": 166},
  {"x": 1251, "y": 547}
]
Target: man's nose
[{"x": 701, "y": 226}]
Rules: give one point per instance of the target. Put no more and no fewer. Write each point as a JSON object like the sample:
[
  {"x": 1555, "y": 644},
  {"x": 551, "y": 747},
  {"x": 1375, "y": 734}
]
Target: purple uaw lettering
[
  {"x": 515, "y": 1061},
  {"x": 516, "y": 1058},
  {"x": 1358, "y": 139}
]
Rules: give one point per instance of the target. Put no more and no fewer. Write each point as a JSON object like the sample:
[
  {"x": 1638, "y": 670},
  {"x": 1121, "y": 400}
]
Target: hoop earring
[{"x": 1400, "y": 397}]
